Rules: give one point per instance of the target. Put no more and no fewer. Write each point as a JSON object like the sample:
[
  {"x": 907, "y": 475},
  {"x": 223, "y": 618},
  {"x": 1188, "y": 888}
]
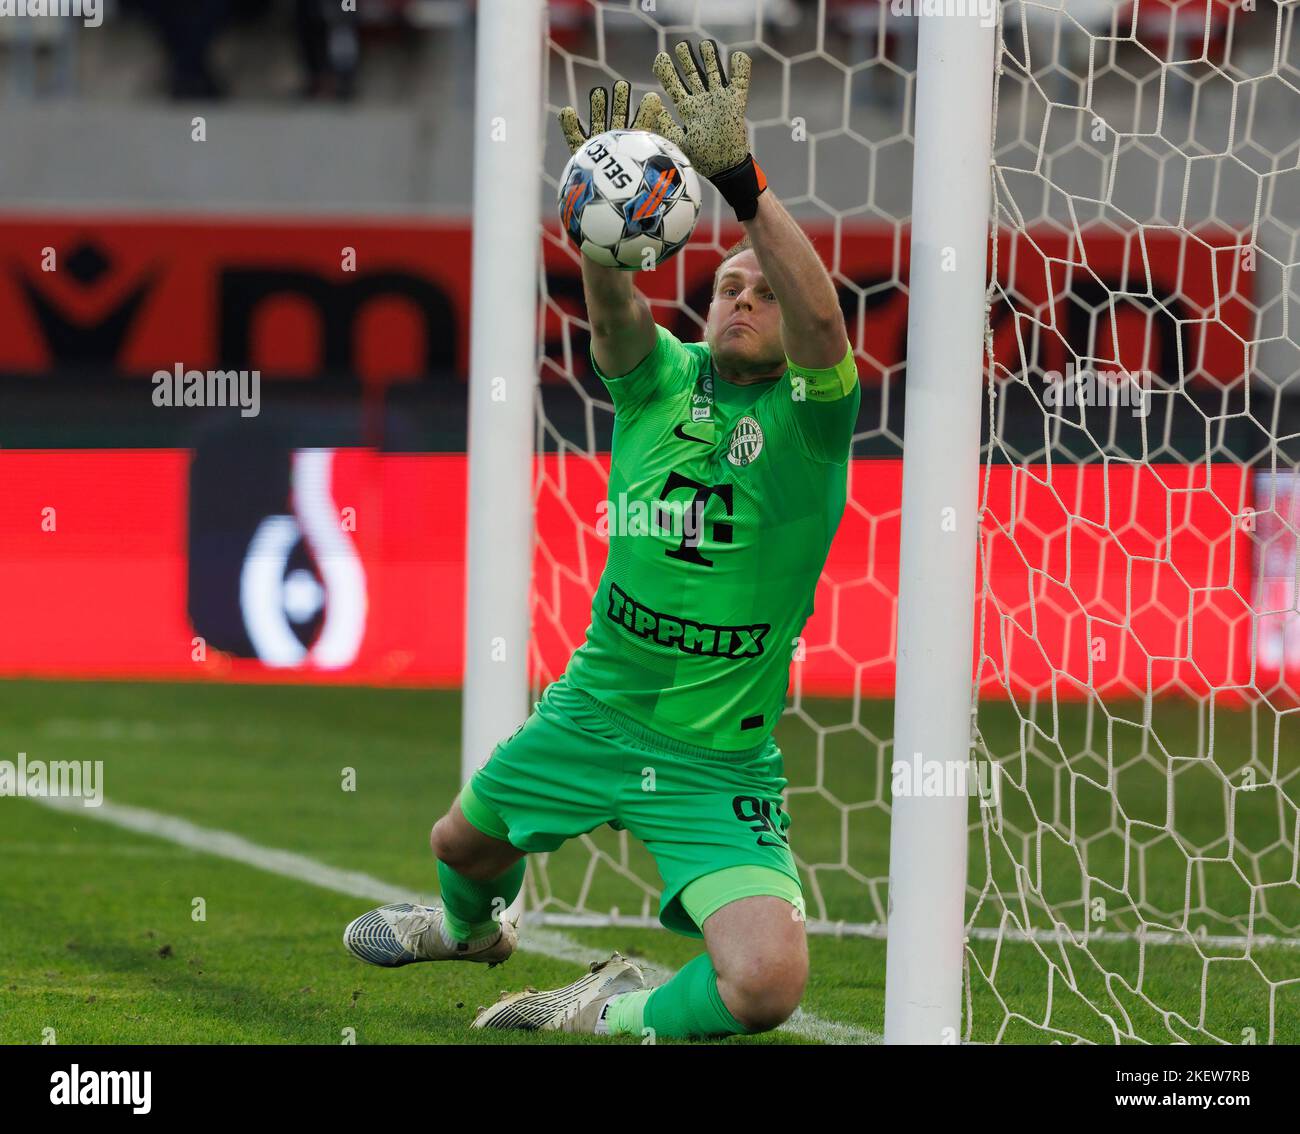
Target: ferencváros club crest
[{"x": 746, "y": 442}]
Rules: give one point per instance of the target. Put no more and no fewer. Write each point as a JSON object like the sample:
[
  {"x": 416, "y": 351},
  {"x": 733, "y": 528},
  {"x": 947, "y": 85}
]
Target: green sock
[
  {"x": 688, "y": 1005},
  {"x": 468, "y": 906}
]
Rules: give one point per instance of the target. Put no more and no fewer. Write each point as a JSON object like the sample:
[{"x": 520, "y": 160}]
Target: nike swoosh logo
[{"x": 687, "y": 437}]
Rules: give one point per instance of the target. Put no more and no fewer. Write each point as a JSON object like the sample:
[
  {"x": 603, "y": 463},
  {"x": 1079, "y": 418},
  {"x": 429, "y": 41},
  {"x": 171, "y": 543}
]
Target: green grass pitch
[{"x": 100, "y": 945}]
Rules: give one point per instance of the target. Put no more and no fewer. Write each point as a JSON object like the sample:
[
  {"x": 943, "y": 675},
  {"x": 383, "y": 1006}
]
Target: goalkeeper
[{"x": 662, "y": 723}]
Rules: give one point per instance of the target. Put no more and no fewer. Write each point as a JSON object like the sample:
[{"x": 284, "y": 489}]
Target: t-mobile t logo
[{"x": 693, "y": 519}]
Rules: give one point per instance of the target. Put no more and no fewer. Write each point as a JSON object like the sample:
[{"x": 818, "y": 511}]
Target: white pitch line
[{"x": 224, "y": 844}]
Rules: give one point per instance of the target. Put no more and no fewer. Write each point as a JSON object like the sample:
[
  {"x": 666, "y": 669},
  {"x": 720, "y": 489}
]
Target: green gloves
[
  {"x": 649, "y": 115},
  {"x": 713, "y": 132}
]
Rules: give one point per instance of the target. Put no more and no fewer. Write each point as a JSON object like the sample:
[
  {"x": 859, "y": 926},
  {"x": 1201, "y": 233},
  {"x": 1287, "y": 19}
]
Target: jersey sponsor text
[{"x": 684, "y": 634}]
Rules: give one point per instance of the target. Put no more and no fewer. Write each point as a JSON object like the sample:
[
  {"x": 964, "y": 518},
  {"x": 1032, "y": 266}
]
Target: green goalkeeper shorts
[{"x": 576, "y": 764}]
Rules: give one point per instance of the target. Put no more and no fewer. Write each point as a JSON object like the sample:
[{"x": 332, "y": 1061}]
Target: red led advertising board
[{"x": 348, "y": 565}]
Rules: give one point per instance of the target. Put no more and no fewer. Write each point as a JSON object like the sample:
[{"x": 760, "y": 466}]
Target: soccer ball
[{"x": 629, "y": 199}]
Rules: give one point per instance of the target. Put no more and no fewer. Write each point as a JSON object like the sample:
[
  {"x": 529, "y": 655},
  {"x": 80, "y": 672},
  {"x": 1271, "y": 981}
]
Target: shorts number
[{"x": 758, "y": 814}]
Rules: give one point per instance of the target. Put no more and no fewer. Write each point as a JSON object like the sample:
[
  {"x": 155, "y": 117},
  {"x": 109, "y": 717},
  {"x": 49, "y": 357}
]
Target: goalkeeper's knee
[{"x": 764, "y": 992}]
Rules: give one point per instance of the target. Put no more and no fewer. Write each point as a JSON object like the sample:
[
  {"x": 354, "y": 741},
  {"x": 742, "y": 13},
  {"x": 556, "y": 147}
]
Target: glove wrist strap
[{"x": 741, "y": 186}]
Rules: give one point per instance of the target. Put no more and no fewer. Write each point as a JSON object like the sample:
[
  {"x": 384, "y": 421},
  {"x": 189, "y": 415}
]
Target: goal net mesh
[
  {"x": 1138, "y": 649},
  {"x": 1133, "y": 869}
]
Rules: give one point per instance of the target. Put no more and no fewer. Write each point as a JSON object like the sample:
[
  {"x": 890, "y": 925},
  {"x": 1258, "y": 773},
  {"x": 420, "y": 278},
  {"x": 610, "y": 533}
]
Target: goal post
[
  {"x": 503, "y": 373},
  {"x": 940, "y": 519}
]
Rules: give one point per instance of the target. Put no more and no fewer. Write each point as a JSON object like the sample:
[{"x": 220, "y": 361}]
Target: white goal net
[
  {"x": 1134, "y": 870},
  {"x": 1139, "y": 664}
]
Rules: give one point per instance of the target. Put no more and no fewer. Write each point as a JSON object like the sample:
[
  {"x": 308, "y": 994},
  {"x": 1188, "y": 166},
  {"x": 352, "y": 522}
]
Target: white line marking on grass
[
  {"x": 224, "y": 844},
  {"x": 99, "y": 850}
]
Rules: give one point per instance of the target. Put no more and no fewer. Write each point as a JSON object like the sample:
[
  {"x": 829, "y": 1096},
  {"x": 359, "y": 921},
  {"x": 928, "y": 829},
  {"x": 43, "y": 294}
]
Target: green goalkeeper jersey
[{"x": 723, "y": 500}]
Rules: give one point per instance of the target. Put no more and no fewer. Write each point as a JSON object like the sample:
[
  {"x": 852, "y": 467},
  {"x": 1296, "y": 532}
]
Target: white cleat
[
  {"x": 402, "y": 934},
  {"x": 576, "y": 1007}
]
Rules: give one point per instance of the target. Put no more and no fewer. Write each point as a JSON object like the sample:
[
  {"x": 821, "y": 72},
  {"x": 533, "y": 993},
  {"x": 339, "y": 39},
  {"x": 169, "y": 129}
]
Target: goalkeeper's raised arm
[
  {"x": 713, "y": 135},
  {"x": 622, "y": 328}
]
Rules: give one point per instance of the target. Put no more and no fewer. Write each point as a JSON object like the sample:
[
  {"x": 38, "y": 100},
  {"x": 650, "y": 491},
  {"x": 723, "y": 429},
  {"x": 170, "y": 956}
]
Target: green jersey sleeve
[
  {"x": 824, "y": 407},
  {"x": 670, "y": 366}
]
